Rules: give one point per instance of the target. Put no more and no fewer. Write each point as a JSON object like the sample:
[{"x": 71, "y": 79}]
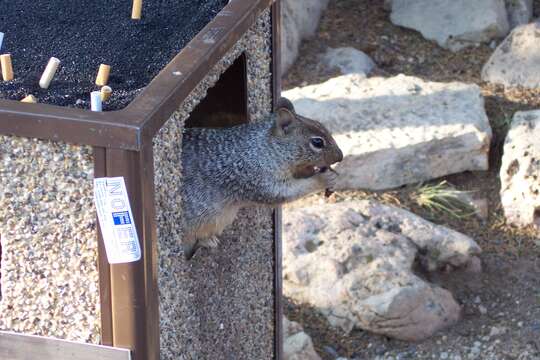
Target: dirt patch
[{"x": 508, "y": 289}]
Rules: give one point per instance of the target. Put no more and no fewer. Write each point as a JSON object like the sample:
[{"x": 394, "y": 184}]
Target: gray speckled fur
[{"x": 245, "y": 165}]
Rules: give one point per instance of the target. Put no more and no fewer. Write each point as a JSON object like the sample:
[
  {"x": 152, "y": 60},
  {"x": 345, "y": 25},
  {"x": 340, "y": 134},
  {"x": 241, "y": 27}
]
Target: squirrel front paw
[{"x": 329, "y": 177}]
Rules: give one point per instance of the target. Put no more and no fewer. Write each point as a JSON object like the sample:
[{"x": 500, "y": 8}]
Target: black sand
[{"x": 84, "y": 34}]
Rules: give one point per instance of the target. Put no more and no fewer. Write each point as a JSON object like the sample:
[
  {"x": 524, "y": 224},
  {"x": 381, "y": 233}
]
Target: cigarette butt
[
  {"x": 106, "y": 92},
  {"x": 1, "y": 39},
  {"x": 48, "y": 73},
  {"x": 7, "y": 68},
  {"x": 95, "y": 101},
  {"x": 137, "y": 10},
  {"x": 31, "y": 99},
  {"x": 103, "y": 75}
]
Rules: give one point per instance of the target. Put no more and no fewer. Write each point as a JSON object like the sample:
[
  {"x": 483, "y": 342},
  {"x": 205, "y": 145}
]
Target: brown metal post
[
  {"x": 276, "y": 93},
  {"x": 100, "y": 170},
  {"x": 134, "y": 297}
]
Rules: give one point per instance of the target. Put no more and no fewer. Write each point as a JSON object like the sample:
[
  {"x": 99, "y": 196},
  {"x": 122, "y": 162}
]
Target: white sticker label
[{"x": 116, "y": 220}]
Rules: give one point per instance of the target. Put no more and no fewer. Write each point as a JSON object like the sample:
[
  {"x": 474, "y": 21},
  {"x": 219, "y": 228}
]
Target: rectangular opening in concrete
[{"x": 225, "y": 104}]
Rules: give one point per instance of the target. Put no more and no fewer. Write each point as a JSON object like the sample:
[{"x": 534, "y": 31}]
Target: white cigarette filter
[
  {"x": 1, "y": 39},
  {"x": 106, "y": 92},
  {"x": 30, "y": 99},
  {"x": 103, "y": 75},
  {"x": 7, "y": 67},
  {"x": 95, "y": 101},
  {"x": 49, "y": 72},
  {"x": 136, "y": 11}
]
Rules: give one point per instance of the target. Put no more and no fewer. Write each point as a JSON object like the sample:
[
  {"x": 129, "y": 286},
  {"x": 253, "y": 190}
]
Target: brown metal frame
[
  {"x": 122, "y": 143},
  {"x": 278, "y": 276}
]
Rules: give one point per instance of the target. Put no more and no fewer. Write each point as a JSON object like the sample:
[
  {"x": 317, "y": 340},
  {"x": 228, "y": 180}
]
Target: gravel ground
[
  {"x": 88, "y": 33},
  {"x": 501, "y": 306}
]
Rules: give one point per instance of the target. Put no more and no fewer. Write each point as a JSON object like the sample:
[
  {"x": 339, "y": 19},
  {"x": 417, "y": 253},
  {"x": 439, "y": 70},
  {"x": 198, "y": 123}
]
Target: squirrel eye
[{"x": 317, "y": 143}]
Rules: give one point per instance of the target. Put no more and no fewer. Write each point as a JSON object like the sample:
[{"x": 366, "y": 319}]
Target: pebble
[
  {"x": 444, "y": 355},
  {"x": 482, "y": 310},
  {"x": 330, "y": 351}
]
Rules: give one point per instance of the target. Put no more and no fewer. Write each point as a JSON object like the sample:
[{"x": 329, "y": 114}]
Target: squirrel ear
[
  {"x": 285, "y": 103},
  {"x": 284, "y": 120}
]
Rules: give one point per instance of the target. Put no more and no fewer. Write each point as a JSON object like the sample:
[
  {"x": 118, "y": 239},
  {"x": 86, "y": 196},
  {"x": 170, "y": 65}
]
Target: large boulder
[
  {"x": 353, "y": 261},
  {"x": 520, "y": 170},
  {"x": 297, "y": 345},
  {"x": 299, "y": 21},
  {"x": 348, "y": 60},
  {"x": 399, "y": 130},
  {"x": 519, "y": 12},
  {"x": 516, "y": 61},
  {"x": 453, "y": 24}
]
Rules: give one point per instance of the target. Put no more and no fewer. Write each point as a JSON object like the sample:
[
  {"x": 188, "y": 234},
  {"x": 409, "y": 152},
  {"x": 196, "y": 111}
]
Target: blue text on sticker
[{"x": 121, "y": 218}]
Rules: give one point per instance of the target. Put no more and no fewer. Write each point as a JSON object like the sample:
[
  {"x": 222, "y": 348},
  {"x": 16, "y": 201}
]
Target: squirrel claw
[{"x": 190, "y": 250}]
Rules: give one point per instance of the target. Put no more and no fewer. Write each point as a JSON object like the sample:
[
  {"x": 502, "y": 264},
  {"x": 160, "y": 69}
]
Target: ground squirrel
[{"x": 281, "y": 158}]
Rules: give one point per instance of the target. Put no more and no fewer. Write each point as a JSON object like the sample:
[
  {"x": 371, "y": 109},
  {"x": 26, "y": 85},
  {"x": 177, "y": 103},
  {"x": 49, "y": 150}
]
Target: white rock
[
  {"x": 349, "y": 60},
  {"x": 299, "y": 21},
  {"x": 297, "y": 345},
  {"x": 353, "y": 262},
  {"x": 520, "y": 170},
  {"x": 453, "y": 24},
  {"x": 519, "y": 12},
  {"x": 516, "y": 60},
  {"x": 399, "y": 130}
]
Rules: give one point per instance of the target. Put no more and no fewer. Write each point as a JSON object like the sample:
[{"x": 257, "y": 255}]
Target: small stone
[
  {"x": 482, "y": 310},
  {"x": 444, "y": 355},
  {"x": 330, "y": 351},
  {"x": 296, "y": 343},
  {"x": 453, "y": 24},
  {"x": 515, "y": 61},
  {"x": 348, "y": 60},
  {"x": 474, "y": 266}
]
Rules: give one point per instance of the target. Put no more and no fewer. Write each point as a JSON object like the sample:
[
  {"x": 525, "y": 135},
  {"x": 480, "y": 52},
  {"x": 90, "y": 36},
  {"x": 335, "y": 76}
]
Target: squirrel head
[{"x": 311, "y": 145}]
